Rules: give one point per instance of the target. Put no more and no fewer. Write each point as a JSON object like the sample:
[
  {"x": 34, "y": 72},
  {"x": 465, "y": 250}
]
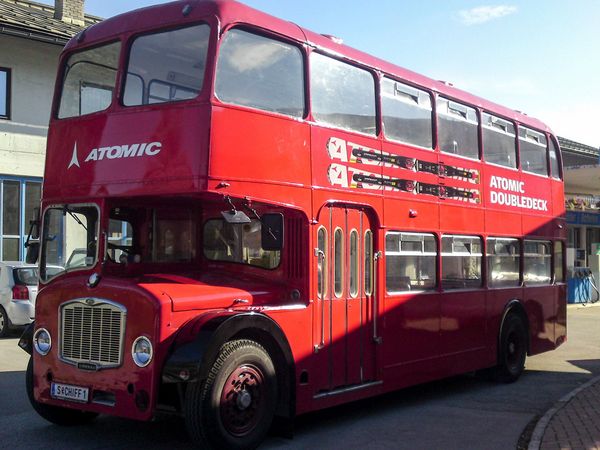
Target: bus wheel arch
[
  {"x": 198, "y": 356},
  {"x": 513, "y": 343}
]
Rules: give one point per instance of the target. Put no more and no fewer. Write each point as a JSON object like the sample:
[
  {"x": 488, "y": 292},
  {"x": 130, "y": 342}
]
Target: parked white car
[{"x": 18, "y": 290}]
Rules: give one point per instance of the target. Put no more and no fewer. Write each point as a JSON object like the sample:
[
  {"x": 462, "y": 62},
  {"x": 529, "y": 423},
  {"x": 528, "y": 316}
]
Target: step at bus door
[{"x": 344, "y": 307}]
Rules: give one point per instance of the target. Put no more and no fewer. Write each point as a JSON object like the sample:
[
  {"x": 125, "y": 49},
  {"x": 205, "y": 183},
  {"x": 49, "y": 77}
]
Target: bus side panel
[
  {"x": 411, "y": 338},
  {"x": 467, "y": 219},
  {"x": 502, "y": 223},
  {"x": 257, "y": 146},
  {"x": 560, "y": 325},
  {"x": 537, "y": 219},
  {"x": 297, "y": 326},
  {"x": 497, "y": 299},
  {"x": 540, "y": 304},
  {"x": 462, "y": 322}
]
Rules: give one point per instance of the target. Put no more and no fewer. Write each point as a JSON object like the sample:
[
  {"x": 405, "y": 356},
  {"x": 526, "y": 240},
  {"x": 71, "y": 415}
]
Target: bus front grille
[{"x": 92, "y": 331}]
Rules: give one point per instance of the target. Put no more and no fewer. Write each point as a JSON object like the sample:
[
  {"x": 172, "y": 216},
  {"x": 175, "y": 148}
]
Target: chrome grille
[{"x": 92, "y": 331}]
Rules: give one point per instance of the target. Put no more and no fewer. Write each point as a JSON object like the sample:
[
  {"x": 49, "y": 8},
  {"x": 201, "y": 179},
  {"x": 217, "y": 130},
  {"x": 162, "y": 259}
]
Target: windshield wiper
[{"x": 75, "y": 218}]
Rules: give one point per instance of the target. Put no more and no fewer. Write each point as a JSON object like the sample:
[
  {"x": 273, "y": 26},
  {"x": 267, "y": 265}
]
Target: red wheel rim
[{"x": 243, "y": 400}]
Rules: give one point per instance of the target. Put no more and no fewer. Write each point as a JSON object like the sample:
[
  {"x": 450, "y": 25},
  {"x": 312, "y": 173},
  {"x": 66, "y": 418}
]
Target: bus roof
[{"x": 231, "y": 12}]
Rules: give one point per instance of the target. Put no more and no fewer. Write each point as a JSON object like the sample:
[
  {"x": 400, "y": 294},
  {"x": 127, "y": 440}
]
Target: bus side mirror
[
  {"x": 272, "y": 231},
  {"x": 33, "y": 250}
]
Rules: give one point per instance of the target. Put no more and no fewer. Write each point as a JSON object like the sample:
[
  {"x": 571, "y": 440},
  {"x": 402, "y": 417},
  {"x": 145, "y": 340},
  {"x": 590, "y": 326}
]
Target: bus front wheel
[
  {"x": 234, "y": 406},
  {"x": 513, "y": 349}
]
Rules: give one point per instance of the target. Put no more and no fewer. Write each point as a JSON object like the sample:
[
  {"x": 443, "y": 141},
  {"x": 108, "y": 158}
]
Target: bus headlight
[
  {"x": 141, "y": 351},
  {"x": 42, "y": 342}
]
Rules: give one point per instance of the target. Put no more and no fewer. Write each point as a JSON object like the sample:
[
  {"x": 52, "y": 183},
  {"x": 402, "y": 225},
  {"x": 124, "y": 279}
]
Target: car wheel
[
  {"x": 4, "y": 322},
  {"x": 55, "y": 414},
  {"x": 234, "y": 407}
]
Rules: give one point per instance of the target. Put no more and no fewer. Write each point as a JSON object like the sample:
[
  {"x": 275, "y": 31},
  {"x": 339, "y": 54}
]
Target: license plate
[{"x": 69, "y": 392}]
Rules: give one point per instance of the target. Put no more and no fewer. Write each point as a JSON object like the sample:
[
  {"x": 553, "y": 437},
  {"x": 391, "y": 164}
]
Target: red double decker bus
[{"x": 243, "y": 220}]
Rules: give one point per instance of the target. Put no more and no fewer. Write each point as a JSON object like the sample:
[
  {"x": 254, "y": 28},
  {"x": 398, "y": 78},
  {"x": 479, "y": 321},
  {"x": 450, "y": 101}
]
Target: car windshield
[{"x": 69, "y": 239}]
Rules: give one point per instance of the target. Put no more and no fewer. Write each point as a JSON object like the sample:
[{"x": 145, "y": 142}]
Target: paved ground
[
  {"x": 576, "y": 425},
  {"x": 459, "y": 413}
]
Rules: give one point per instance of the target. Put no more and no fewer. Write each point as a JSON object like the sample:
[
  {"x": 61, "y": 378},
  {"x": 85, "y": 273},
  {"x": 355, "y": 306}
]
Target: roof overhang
[
  {"x": 33, "y": 35},
  {"x": 582, "y": 180}
]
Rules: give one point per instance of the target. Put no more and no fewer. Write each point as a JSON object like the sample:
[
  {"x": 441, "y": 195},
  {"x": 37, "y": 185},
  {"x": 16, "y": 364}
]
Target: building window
[
  {"x": 4, "y": 93},
  {"x": 18, "y": 200}
]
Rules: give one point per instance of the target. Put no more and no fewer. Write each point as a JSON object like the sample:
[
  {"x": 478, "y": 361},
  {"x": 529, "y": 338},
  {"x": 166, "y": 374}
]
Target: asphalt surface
[{"x": 458, "y": 413}]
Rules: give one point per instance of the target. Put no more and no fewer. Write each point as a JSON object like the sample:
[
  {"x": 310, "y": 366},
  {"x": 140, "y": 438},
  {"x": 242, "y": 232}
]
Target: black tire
[
  {"x": 55, "y": 414},
  {"x": 4, "y": 323},
  {"x": 512, "y": 351},
  {"x": 234, "y": 407}
]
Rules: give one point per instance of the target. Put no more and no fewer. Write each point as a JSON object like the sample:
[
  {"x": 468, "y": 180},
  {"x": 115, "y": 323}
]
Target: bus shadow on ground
[{"x": 395, "y": 411}]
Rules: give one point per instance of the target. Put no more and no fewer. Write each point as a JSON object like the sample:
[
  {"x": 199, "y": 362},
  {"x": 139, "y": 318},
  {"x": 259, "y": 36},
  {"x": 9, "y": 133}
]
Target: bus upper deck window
[
  {"x": 457, "y": 128},
  {"x": 261, "y": 73},
  {"x": 499, "y": 146},
  {"x": 532, "y": 147},
  {"x": 554, "y": 162},
  {"x": 166, "y": 66},
  {"x": 406, "y": 113},
  {"x": 89, "y": 81},
  {"x": 342, "y": 95}
]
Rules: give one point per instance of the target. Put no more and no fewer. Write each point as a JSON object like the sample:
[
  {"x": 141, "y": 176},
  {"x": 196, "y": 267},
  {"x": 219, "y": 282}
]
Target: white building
[{"x": 32, "y": 36}]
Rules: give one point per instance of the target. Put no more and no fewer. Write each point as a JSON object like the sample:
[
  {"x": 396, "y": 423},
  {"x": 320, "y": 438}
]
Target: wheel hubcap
[
  {"x": 513, "y": 351},
  {"x": 243, "y": 400},
  {"x": 511, "y": 348}
]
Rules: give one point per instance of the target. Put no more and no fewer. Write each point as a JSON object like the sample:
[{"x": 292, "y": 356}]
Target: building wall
[
  {"x": 33, "y": 68},
  {"x": 23, "y": 137}
]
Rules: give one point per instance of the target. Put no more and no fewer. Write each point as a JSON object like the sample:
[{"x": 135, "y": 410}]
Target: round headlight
[
  {"x": 141, "y": 351},
  {"x": 42, "y": 341}
]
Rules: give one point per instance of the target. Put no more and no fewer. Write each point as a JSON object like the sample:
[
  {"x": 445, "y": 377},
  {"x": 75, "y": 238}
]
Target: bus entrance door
[{"x": 345, "y": 284}]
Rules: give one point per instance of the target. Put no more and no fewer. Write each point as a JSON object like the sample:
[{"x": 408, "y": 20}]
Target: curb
[{"x": 538, "y": 432}]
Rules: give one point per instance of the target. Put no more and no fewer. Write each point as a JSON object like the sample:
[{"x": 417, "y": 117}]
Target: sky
[{"x": 541, "y": 57}]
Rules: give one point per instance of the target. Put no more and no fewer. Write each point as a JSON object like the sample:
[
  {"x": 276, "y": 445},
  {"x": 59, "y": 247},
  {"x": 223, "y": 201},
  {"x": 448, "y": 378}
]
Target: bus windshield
[{"x": 69, "y": 239}]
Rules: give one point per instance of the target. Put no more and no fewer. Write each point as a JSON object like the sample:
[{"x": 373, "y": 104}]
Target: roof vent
[
  {"x": 335, "y": 39},
  {"x": 447, "y": 83}
]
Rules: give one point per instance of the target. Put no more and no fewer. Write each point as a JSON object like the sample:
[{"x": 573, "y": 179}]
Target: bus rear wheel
[
  {"x": 234, "y": 407},
  {"x": 55, "y": 414},
  {"x": 512, "y": 351}
]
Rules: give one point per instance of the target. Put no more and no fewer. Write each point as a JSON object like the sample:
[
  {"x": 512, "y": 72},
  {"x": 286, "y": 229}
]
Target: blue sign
[{"x": 583, "y": 218}]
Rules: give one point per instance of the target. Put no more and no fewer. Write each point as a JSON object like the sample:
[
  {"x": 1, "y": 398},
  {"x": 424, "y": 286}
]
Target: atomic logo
[{"x": 117, "y": 152}]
